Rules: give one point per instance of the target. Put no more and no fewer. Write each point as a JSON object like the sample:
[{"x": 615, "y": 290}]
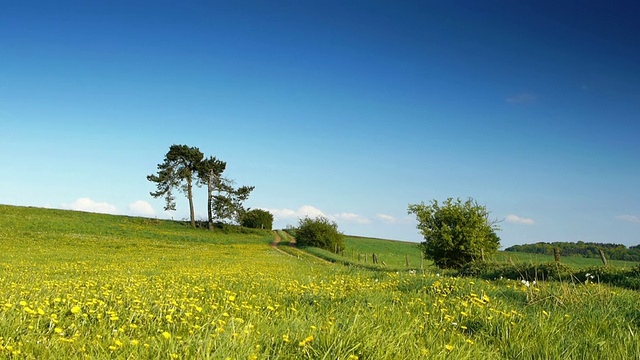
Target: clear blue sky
[{"x": 352, "y": 109}]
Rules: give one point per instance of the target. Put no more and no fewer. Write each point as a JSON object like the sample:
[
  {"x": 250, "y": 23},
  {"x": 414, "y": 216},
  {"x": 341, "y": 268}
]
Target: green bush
[
  {"x": 257, "y": 219},
  {"x": 528, "y": 272},
  {"x": 455, "y": 232},
  {"x": 319, "y": 232},
  {"x": 623, "y": 277}
]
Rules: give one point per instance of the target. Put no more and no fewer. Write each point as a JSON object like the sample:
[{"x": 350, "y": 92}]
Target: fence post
[
  {"x": 406, "y": 260},
  {"x": 602, "y": 257},
  {"x": 421, "y": 262}
]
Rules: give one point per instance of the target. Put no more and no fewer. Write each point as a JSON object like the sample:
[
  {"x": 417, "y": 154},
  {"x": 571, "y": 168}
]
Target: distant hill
[{"x": 581, "y": 249}]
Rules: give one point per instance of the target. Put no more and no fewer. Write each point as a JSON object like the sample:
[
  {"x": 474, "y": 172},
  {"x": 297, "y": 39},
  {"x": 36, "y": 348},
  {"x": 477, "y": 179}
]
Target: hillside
[{"x": 78, "y": 285}]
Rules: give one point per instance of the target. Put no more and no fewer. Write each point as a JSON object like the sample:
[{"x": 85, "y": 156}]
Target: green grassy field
[
  {"x": 572, "y": 261},
  {"x": 391, "y": 254},
  {"x": 395, "y": 253},
  {"x": 79, "y": 285}
]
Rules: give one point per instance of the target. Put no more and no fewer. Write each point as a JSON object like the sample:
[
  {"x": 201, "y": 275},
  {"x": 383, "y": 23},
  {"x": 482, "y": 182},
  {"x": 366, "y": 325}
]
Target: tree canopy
[
  {"x": 319, "y": 232},
  {"x": 181, "y": 165},
  {"x": 455, "y": 232},
  {"x": 257, "y": 219}
]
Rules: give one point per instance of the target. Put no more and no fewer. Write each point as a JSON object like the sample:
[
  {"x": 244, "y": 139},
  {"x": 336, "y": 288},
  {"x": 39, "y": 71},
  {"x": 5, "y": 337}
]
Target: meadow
[{"x": 79, "y": 285}]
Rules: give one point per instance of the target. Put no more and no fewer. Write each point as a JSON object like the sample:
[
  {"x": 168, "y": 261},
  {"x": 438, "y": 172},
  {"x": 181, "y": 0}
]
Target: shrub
[
  {"x": 529, "y": 272},
  {"x": 455, "y": 233},
  {"x": 627, "y": 278},
  {"x": 319, "y": 232},
  {"x": 257, "y": 219}
]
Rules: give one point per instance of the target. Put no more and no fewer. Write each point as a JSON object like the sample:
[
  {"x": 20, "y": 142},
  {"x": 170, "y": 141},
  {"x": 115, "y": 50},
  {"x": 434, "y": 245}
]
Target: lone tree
[
  {"x": 257, "y": 219},
  {"x": 210, "y": 173},
  {"x": 224, "y": 201},
  {"x": 180, "y": 165},
  {"x": 455, "y": 232},
  {"x": 228, "y": 203},
  {"x": 319, "y": 232}
]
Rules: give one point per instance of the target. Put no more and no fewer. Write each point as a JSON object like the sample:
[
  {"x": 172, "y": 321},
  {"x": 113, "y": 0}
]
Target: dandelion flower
[
  {"x": 307, "y": 340},
  {"x": 449, "y": 347},
  {"x": 166, "y": 335}
]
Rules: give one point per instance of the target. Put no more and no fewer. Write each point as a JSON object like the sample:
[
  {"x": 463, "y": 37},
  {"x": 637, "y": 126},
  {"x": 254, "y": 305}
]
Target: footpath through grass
[{"x": 119, "y": 287}]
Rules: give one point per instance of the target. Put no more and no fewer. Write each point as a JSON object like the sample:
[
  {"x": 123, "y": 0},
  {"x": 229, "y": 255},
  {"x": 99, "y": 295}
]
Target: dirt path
[
  {"x": 292, "y": 242},
  {"x": 276, "y": 241}
]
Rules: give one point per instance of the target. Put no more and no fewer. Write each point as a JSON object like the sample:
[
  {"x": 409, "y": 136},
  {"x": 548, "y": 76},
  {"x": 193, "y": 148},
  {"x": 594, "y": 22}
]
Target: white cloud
[
  {"x": 86, "y": 204},
  {"x": 313, "y": 212},
  {"x": 519, "y": 220},
  {"x": 306, "y": 210},
  {"x": 352, "y": 217},
  {"x": 629, "y": 218},
  {"x": 387, "y": 218},
  {"x": 142, "y": 208},
  {"x": 521, "y": 99}
]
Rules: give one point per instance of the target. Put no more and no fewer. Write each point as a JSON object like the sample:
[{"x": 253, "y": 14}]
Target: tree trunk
[
  {"x": 190, "y": 196},
  {"x": 210, "y": 200}
]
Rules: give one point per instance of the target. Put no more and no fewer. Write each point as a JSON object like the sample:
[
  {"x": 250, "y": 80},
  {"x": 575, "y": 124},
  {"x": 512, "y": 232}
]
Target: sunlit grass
[{"x": 117, "y": 287}]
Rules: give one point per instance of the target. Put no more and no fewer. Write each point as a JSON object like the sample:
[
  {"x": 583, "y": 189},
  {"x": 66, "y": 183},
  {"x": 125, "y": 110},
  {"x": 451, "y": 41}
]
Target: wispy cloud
[
  {"x": 352, "y": 218},
  {"x": 387, "y": 218},
  {"x": 306, "y": 210},
  {"x": 519, "y": 220},
  {"x": 313, "y": 212},
  {"x": 88, "y": 205},
  {"x": 142, "y": 208},
  {"x": 521, "y": 99},
  {"x": 629, "y": 218}
]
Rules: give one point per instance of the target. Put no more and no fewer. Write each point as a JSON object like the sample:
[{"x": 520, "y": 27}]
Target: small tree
[
  {"x": 257, "y": 219},
  {"x": 210, "y": 173},
  {"x": 224, "y": 201},
  {"x": 179, "y": 167},
  {"x": 455, "y": 232},
  {"x": 319, "y": 232}
]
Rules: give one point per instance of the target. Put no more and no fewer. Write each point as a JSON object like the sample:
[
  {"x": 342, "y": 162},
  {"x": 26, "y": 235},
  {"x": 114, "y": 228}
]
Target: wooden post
[
  {"x": 556, "y": 254},
  {"x": 602, "y": 257},
  {"x": 374, "y": 258},
  {"x": 359, "y": 257},
  {"x": 365, "y": 258},
  {"x": 421, "y": 262},
  {"x": 406, "y": 260}
]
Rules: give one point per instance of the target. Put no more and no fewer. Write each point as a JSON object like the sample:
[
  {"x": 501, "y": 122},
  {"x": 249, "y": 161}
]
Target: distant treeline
[{"x": 582, "y": 249}]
